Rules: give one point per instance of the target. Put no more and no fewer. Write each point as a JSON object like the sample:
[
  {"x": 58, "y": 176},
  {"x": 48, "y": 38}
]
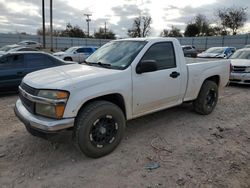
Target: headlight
[
  {"x": 52, "y": 103},
  {"x": 247, "y": 69}
]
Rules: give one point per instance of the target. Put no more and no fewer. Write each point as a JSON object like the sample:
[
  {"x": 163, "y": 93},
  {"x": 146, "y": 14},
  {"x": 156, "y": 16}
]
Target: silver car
[
  {"x": 240, "y": 61},
  {"x": 30, "y": 44}
]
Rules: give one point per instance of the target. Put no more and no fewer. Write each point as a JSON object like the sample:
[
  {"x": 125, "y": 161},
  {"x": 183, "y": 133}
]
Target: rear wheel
[
  {"x": 207, "y": 98},
  {"x": 99, "y": 128}
]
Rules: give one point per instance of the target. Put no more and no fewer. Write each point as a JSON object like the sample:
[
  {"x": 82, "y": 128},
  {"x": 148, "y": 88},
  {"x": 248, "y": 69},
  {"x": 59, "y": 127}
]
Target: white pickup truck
[{"x": 122, "y": 80}]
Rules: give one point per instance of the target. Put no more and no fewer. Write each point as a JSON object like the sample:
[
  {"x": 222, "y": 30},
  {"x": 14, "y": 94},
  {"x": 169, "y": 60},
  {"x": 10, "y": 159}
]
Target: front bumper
[
  {"x": 240, "y": 78},
  {"x": 41, "y": 123}
]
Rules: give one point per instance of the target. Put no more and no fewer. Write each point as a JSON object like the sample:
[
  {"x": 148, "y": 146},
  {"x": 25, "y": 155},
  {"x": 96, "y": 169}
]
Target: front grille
[
  {"x": 247, "y": 81},
  {"x": 28, "y": 89},
  {"x": 239, "y": 68},
  {"x": 29, "y": 105}
]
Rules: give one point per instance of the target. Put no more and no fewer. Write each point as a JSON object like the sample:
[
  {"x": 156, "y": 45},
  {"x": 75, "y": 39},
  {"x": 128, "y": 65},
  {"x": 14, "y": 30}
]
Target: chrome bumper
[{"x": 41, "y": 123}]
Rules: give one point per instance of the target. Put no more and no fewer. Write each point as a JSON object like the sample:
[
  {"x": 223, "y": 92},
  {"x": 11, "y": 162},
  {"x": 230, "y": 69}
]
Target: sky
[{"x": 26, "y": 15}]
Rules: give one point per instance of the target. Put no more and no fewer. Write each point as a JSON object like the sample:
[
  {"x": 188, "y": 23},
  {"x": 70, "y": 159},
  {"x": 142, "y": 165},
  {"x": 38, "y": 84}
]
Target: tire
[
  {"x": 207, "y": 98},
  {"x": 68, "y": 59},
  {"x": 99, "y": 128}
]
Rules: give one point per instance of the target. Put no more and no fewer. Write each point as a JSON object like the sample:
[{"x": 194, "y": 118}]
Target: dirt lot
[{"x": 192, "y": 150}]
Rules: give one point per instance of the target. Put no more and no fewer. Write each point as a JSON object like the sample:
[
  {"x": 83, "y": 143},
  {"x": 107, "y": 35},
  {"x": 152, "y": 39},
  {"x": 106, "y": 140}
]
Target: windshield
[
  {"x": 118, "y": 54},
  {"x": 215, "y": 50},
  {"x": 241, "y": 55},
  {"x": 71, "y": 49}
]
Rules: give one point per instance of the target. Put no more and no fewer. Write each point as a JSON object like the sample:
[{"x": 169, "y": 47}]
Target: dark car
[
  {"x": 15, "y": 65},
  {"x": 189, "y": 51}
]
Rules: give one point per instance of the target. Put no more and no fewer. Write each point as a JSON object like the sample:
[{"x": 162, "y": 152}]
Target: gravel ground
[{"x": 186, "y": 150}]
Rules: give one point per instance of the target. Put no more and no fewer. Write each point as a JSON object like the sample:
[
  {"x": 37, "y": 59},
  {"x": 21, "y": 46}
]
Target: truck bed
[
  {"x": 190, "y": 60},
  {"x": 199, "y": 69}
]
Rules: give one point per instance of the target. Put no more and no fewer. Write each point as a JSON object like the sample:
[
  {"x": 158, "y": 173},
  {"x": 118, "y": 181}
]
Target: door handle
[{"x": 174, "y": 74}]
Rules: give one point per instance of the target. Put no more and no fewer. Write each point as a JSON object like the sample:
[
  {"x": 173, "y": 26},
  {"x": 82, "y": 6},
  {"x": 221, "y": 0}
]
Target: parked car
[
  {"x": 30, "y": 44},
  {"x": 122, "y": 80},
  {"x": 77, "y": 53},
  {"x": 15, "y": 65},
  {"x": 6, "y": 48},
  {"x": 240, "y": 66},
  {"x": 19, "y": 49},
  {"x": 217, "y": 52},
  {"x": 189, "y": 51}
]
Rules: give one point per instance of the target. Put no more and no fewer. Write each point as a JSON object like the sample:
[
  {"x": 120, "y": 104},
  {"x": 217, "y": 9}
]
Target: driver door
[{"x": 161, "y": 88}]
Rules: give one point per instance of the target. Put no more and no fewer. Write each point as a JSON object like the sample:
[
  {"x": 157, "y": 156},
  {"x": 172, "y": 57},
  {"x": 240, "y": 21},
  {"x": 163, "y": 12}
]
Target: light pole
[
  {"x": 105, "y": 31},
  {"x": 43, "y": 20},
  {"x": 88, "y": 20},
  {"x": 51, "y": 25}
]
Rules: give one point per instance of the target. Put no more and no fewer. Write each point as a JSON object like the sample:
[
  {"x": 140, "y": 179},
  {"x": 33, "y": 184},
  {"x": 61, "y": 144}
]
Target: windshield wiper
[{"x": 104, "y": 64}]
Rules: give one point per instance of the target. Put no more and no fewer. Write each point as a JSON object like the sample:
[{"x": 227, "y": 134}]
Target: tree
[
  {"x": 101, "y": 34},
  {"x": 141, "y": 27},
  {"x": 191, "y": 30},
  {"x": 70, "y": 31},
  {"x": 73, "y": 31},
  {"x": 198, "y": 27},
  {"x": 202, "y": 23},
  {"x": 232, "y": 18},
  {"x": 173, "y": 32},
  {"x": 56, "y": 32}
]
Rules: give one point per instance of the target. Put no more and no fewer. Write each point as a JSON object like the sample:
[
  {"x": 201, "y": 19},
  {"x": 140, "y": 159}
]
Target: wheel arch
[
  {"x": 215, "y": 78},
  {"x": 115, "y": 98},
  {"x": 68, "y": 57}
]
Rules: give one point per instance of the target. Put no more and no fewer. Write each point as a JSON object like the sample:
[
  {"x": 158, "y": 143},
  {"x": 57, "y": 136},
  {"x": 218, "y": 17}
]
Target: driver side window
[{"x": 163, "y": 54}]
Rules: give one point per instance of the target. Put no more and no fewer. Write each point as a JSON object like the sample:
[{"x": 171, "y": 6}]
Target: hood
[
  {"x": 240, "y": 62},
  {"x": 66, "y": 76},
  {"x": 59, "y": 53},
  {"x": 205, "y": 54},
  {"x": 2, "y": 52}
]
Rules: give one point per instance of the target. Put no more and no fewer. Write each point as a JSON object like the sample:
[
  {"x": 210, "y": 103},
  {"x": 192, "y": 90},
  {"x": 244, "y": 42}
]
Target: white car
[
  {"x": 240, "y": 66},
  {"x": 77, "y": 53},
  {"x": 30, "y": 44},
  {"x": 217, "y": 52},
  {"x": 122, "y": 80},
  {"x": 6, "y": 48}
]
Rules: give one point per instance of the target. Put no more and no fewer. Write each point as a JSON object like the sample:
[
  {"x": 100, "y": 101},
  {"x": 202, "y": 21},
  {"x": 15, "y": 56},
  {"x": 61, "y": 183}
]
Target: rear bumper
[
  {"x": 240, "y": 78},
  {"x": 41, "y": 123}
]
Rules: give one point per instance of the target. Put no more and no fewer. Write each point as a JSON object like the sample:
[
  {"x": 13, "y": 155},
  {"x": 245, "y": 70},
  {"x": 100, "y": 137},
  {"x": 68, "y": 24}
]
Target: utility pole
[
  {"x": 51, "y": 25},
  {"x": 43, "y": 20},
  {"x": 88, "y": 20},
  {"x": 105, "y": 30}
]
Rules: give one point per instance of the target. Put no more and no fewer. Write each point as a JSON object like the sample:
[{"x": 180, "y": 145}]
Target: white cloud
[{"x": 119, "y": 14}]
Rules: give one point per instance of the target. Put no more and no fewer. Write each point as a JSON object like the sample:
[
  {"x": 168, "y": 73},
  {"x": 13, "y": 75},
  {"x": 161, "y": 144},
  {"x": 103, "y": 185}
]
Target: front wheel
[
  {"x": 99, "y": 128},
  {"x": 68, "y": 59},
  {"x": 207, "y": 98}
]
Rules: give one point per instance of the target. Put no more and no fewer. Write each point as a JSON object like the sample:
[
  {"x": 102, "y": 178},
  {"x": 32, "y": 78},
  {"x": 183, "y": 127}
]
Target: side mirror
[
  {"x": 75, "y": 52},
  {"x": 146, "y": 66}
]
